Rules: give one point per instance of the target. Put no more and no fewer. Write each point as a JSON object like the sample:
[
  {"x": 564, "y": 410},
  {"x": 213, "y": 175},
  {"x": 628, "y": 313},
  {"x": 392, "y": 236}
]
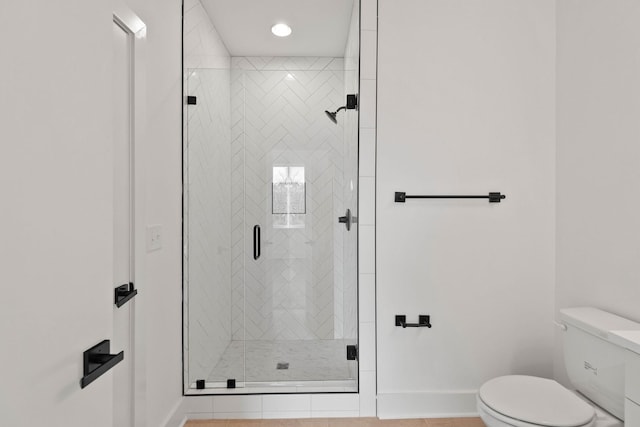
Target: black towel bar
[{"x": 401, "y": 197}]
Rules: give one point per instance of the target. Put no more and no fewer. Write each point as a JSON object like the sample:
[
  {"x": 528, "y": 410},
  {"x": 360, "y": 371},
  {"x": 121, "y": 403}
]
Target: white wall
[
  {"x": 163, "y": 206},
  {"x": 56, "y": 217},
  {"x": 465, "y": 106},
  {"x": 598, "y": 170}
]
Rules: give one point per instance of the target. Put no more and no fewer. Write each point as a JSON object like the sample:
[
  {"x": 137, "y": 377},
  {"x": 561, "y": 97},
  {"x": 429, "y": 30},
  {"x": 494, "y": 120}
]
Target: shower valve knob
[{"x": 346, "y": 219}]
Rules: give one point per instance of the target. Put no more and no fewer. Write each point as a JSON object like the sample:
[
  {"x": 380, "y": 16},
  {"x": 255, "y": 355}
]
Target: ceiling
[{"x": 320, "y": 27}]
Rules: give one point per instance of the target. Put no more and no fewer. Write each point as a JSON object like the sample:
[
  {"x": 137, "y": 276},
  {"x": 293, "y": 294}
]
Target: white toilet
[{"x": 595, "y": 366}]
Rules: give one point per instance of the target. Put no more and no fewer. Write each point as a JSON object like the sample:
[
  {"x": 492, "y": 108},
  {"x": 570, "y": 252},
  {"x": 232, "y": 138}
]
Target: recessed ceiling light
[{"x": 281, "y": 30}]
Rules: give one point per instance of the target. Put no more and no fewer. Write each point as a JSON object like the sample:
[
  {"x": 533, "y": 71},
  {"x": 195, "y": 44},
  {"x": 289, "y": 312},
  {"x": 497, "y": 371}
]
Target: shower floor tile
[{"x": 308, "y": 360}]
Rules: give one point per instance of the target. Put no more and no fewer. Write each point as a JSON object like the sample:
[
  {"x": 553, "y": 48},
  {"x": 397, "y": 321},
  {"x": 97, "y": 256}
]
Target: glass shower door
[{"x": 298, "y": 176}]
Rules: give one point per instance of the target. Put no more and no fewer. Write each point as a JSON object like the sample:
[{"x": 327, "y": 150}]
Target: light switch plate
[{"x": 154, "y": 238}]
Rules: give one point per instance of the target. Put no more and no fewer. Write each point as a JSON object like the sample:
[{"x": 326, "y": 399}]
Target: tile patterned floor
[
  {"x": 309, "y": 360},
  {"x": 341, "y": 422}
]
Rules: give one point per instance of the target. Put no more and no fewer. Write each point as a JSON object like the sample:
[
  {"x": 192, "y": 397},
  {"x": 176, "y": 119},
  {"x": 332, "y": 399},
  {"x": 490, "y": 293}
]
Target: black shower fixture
[
  {"x": 332, "y": 116},
  {"x": 352, "y": 104}
]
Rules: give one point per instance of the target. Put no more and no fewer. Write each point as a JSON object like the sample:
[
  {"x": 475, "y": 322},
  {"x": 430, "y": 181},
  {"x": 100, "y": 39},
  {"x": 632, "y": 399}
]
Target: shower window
[{"x": 288, "y": 193}]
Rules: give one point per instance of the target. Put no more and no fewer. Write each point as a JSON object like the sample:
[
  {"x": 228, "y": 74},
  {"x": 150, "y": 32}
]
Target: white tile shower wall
[
  {"x": 278, "y": 120},
  {"x": 207, "y": 195},
  {"x": 271, "y": 406},
  {"x": 366, "y": 223}
]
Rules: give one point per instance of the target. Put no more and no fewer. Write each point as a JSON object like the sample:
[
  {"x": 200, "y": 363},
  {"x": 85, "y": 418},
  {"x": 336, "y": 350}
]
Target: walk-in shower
[{"x": 270, "y": 270}]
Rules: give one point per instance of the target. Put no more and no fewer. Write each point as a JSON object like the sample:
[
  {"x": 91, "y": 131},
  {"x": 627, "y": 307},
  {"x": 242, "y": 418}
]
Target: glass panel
[
  {"x": 212, "y": 354},
  {"x": 349, "y": 256}
]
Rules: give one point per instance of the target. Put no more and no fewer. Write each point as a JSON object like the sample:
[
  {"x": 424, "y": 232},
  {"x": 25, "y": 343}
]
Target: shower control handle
[
  {"x": 347, "y": 219},
  {"x": 256, "y": 242}
]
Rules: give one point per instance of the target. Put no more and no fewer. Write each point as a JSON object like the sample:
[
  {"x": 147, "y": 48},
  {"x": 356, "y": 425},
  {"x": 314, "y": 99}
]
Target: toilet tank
[{"x": 594, "y": 364}]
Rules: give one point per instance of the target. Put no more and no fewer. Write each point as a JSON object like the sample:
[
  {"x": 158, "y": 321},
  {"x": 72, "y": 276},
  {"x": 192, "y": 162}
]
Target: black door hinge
[
  {"x": 352, "y": 352},
  {"x": 192, "y": 100}
]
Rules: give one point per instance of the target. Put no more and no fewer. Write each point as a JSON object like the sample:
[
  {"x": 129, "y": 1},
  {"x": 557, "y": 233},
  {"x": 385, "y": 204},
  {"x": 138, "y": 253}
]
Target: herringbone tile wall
[{"x": 278, "y": 119}]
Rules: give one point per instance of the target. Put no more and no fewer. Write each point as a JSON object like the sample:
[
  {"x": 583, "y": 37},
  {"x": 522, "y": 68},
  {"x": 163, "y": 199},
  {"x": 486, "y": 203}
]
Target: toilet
[{"x": 595, "y": 367}]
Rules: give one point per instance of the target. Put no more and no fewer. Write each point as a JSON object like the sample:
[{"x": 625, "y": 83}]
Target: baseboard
[
  {"x": 446, "y": 404},
  {"x": 176, "y": 417}
]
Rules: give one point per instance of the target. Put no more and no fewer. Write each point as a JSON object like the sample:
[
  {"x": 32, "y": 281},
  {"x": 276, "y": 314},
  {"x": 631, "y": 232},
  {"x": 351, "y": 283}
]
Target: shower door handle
[{"x": 256, "y": 242}]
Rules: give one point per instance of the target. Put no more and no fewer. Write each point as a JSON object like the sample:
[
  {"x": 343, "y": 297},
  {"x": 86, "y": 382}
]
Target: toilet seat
[{"x": 522, "y": 400}]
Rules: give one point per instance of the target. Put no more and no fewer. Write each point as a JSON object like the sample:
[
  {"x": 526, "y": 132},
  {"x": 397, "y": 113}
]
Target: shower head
[
  {"x": 332, "y": 116},
  {"x": 352, "y": 104}
]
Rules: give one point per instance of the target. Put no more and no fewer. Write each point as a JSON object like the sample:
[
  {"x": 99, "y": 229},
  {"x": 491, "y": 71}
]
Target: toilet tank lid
[
  {"x": 535, "y": 400},
  {"x": 596, "y": 321}
]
